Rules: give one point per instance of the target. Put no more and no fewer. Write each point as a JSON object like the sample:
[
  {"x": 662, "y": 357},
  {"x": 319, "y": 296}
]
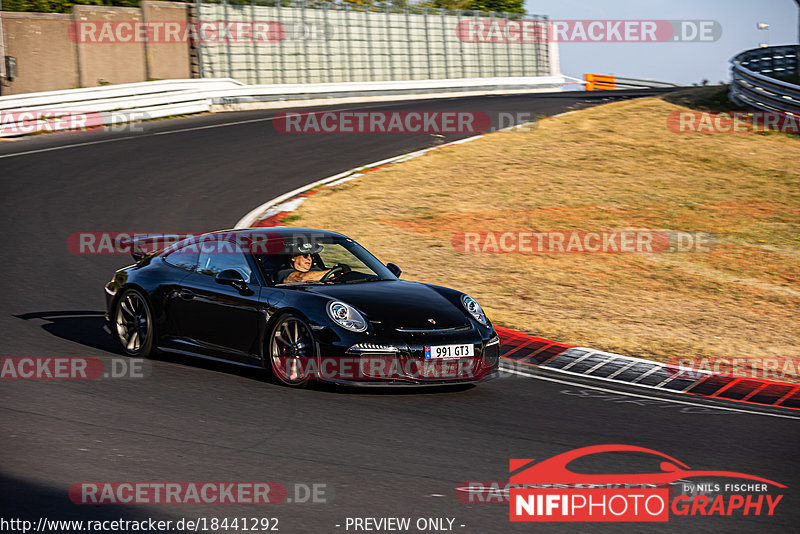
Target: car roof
[{"x": 283, "y": 231}]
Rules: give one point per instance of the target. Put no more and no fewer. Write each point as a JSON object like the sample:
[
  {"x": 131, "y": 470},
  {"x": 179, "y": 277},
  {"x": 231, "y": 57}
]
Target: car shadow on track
[
  {"x": 87, "y": 328},
  {"x": 81, "y": 326},
  {"x": 29, "y": 501}
]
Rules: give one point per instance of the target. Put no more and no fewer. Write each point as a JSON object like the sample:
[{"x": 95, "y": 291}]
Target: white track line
[
  {"x": 63, "y": 147},
  {"x": 138, "y": 136},
  {"x": 168, "y": 132}
]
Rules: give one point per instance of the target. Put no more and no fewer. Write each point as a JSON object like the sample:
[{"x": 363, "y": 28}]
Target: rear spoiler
[{"x": 148, "y": 244}]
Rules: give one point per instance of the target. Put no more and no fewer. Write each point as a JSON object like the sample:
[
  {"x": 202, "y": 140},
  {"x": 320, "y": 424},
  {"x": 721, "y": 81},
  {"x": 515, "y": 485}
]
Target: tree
[
  {"x": 65, "y": 6},
  {"x": 503, "y": 6},
  {"x": 61, "y": 6}
]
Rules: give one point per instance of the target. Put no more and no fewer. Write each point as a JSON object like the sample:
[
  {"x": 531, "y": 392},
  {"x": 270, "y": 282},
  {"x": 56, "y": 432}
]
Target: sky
[{"x": 683, "y": 63}]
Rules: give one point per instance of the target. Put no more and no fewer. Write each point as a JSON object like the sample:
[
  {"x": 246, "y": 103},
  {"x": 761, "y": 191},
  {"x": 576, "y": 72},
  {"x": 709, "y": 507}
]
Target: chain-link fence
[{"x": 288, "y": 41}]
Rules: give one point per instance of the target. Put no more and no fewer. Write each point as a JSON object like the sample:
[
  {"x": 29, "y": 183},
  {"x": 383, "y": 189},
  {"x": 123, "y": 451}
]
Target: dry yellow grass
[{"x": 610, "y": 167}]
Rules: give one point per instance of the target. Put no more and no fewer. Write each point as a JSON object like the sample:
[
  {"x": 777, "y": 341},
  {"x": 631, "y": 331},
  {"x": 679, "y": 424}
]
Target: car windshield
[{"x": 323, "y": 259}]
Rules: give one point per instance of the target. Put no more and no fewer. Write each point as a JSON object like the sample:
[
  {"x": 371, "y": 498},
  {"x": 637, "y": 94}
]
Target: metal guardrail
[
  {"x": 596, "y": 82},
  {"x": 119, "y": 104},
  {"x": 626, "y": 83},
  {"x": 755, "y": 84},
  {"x": 108, "y": 105},
  {"x": 285, "y": 95},
  {"x": 113, "y": 94}
]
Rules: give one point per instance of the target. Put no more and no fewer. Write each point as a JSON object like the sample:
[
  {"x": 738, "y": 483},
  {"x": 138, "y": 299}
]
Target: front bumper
[
  {"x": 409, "y": 382},
  {"x": 399, "y": 360}
]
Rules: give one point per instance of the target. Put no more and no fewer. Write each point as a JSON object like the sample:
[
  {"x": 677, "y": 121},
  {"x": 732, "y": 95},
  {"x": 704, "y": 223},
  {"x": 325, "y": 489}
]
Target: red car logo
[{"x": 555, "y": 471}]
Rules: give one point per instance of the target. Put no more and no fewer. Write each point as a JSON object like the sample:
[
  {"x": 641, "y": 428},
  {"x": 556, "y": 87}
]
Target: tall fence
[
  {"x": 323, "y": 42},
  {"x": 768, "y": 78}
]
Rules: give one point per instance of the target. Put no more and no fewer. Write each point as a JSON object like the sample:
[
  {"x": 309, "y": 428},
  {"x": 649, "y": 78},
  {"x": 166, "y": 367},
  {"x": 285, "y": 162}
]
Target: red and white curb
[{"x": 521, "y": 352}]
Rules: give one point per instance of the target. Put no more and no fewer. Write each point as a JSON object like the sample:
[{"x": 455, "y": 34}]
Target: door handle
[{"x": 186, "y": 294}]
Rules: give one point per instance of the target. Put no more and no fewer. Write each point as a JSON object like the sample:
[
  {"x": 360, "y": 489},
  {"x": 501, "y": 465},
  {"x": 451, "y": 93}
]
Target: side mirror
[
  {"x": 397, "y": 271},
  {"x": 231, "y": 278}
]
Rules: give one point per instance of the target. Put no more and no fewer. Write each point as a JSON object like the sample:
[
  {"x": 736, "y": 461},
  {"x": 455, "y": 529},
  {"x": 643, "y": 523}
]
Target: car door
[
  {"x": 178, "y": 263},
  {"x": 219, "y": 319}
]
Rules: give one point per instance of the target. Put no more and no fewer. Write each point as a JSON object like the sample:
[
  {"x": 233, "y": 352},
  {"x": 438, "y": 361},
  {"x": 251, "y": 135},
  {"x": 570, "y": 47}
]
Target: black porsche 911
[{"x": 309, "y": 304}]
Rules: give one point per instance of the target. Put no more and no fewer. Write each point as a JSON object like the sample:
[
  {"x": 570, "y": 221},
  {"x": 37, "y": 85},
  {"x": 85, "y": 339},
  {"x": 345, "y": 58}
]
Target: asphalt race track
[{"x": 397, "y": 453}]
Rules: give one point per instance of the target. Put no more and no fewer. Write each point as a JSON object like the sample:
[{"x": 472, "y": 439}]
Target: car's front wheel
[
  {"x": 133, "y": 324},
  {"x": 290, "y": 349}
]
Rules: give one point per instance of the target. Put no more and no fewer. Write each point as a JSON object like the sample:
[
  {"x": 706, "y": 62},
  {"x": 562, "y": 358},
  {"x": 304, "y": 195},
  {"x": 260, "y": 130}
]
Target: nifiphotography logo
[{"x": 549, "y": 491}]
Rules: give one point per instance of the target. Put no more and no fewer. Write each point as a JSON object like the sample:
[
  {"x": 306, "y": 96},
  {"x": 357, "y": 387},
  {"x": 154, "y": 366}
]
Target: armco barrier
[
  {"x": 600, "y": 82},
  {"x": 148, "y": 100},
  {"x": 115, "y": 103},
  {"x": 284, "y": 95},
  {"x": 755, "y": 85}
]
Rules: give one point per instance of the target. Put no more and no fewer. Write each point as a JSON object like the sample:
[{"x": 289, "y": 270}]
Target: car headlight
[
  {"x": 346, "y": 316},
  {"x": 474, "y": 309}
]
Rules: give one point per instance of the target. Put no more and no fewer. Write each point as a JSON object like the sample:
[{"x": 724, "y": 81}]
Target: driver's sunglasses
[{"x": 307, "y": 256}]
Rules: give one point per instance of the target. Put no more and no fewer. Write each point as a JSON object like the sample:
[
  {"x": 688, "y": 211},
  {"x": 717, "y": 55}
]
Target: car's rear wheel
[
  {"x": 133, "y": 323},
  {"x": 290, "y": 349}
]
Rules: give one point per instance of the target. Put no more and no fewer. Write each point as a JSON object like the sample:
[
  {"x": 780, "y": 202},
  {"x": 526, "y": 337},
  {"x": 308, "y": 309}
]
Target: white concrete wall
[{"x": 363, "y": 46}]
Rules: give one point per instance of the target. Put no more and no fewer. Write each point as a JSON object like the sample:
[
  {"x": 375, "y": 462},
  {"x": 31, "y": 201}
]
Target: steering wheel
[{"x": 337, "y": 270}]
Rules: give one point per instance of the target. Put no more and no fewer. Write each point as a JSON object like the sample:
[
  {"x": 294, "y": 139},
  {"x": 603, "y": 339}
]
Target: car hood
[{"x": 398, "y": 303}]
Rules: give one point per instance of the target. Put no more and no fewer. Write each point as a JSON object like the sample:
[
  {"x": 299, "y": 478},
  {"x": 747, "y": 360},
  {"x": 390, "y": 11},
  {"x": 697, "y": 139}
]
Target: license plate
[{"x": 449, "y": 351}]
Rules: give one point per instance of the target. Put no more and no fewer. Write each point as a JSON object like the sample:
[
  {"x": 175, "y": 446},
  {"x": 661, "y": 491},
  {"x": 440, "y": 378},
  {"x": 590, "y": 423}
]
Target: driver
[{"x": 300, "y": 264}]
